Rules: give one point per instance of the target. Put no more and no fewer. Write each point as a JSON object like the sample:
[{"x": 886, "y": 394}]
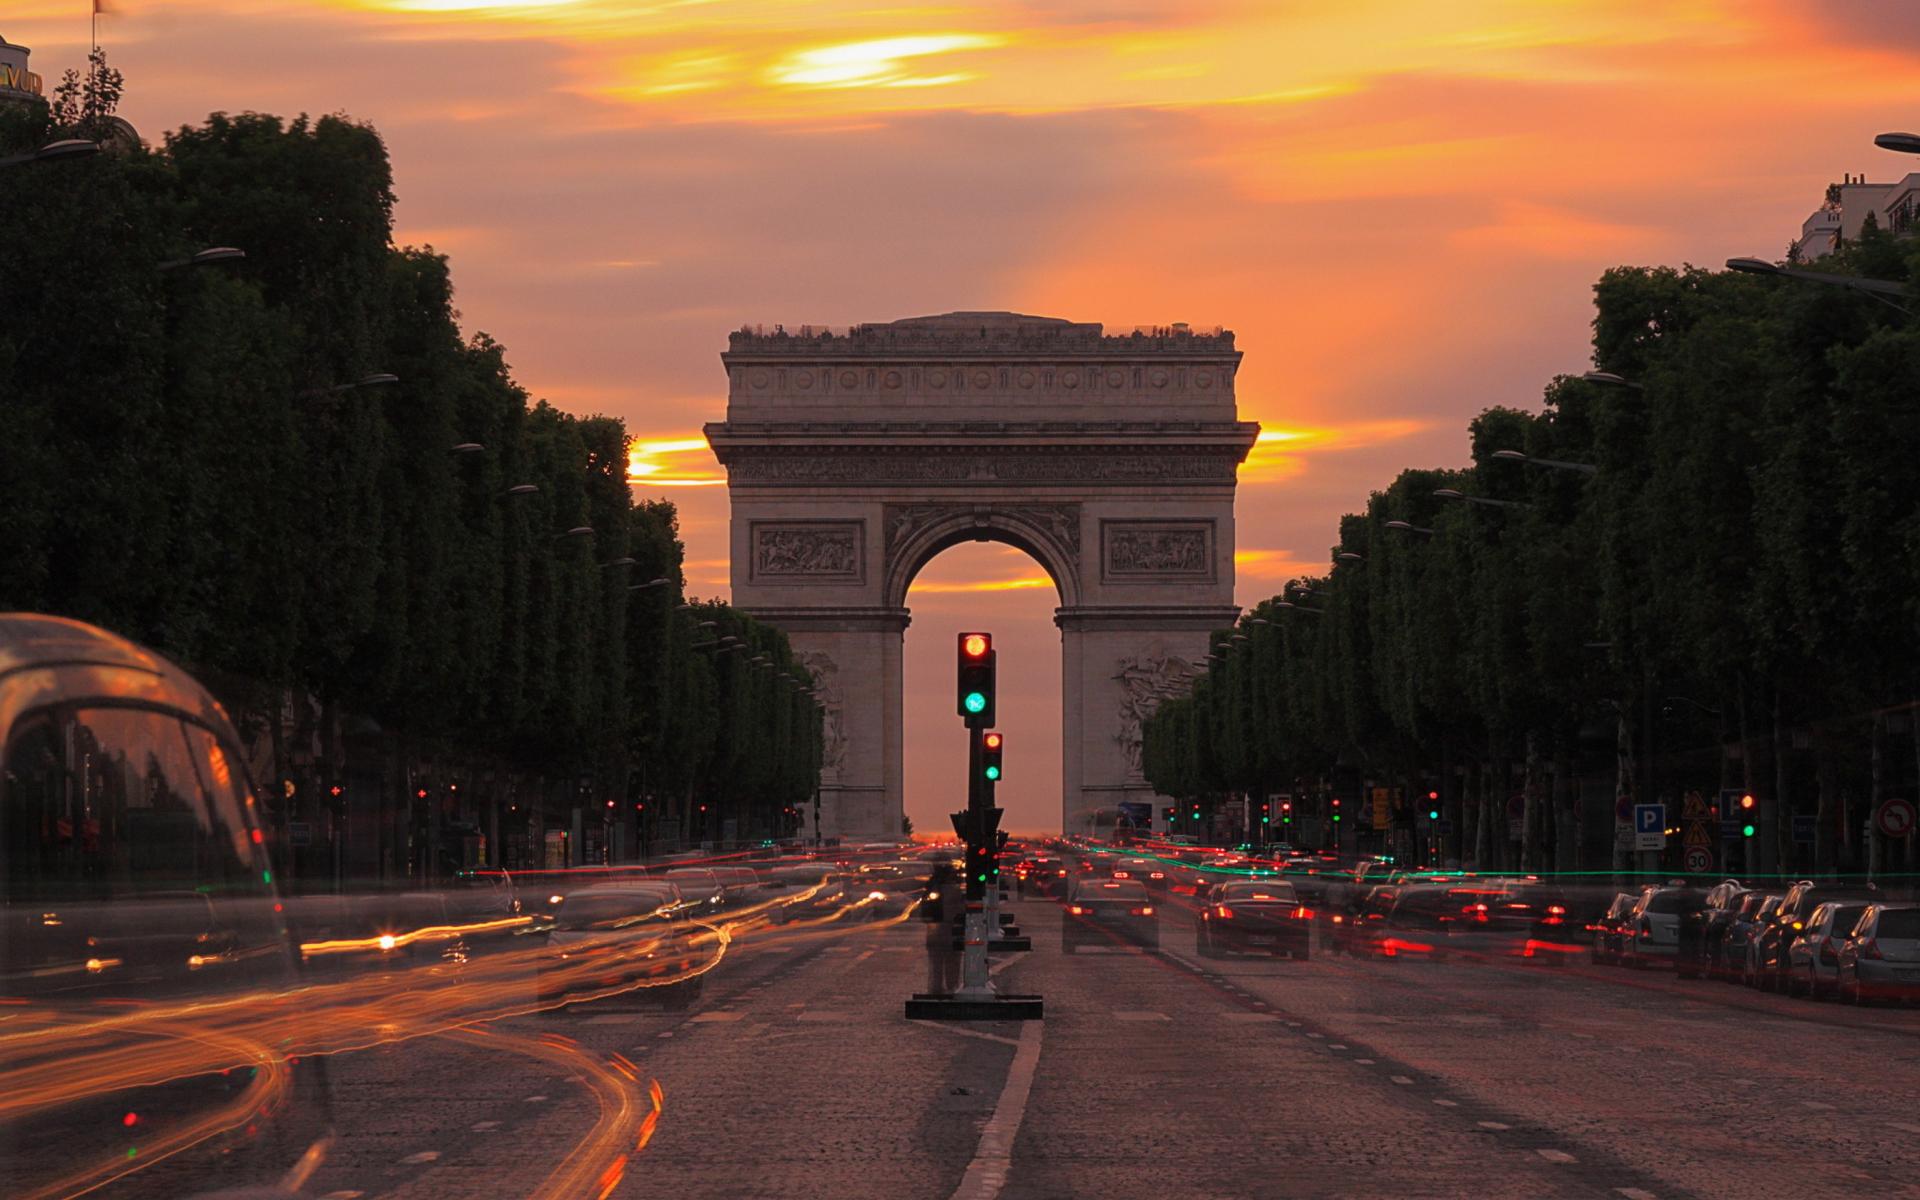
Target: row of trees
[
  {"x": 1727, "y": 597},
  {"x": 204, "y": 457}
]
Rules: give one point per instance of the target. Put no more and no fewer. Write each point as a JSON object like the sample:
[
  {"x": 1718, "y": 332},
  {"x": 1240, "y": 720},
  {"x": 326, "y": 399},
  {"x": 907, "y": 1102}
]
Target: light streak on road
[{"x": 54, "y": 1057}]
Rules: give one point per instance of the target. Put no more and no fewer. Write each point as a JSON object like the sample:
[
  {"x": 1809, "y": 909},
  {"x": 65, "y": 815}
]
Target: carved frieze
[
  {"x": 1146, "y": 682},
  {"x": 827, "y": 551},
  {"x": 1157, "y": 550}
]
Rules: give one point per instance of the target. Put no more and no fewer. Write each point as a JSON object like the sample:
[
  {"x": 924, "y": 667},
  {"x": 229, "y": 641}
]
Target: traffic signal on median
[
  {"x": 990, "y": 750},
  {"x": 976, "y": 680},
  {"x": 1747, "y": 814}
]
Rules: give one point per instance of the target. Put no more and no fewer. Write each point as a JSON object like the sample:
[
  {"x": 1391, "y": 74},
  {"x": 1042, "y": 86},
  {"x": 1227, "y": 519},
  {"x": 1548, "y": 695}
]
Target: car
[
  {"x": 1727, "y": 957},
  {"x": 1609, "y": 940},
  {"x": 1101, "y": 912},
  {"x": 1813, "y": 959},
  {"x": 606, "y": 939},
  {"x": 1768, "y": 953},
  {"x": 1253, "y": 917},
  {"x": 1881, "y": 961},
  {"x": 1652, "y": 930},
  {"x": 1149, "y": 871},
  {"x": 1357, "y": 930},
  {"x": 1745, "y": 937}
]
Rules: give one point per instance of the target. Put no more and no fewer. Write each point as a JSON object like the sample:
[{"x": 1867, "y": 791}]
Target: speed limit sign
[
  {"x": 1699, "y": 860},
  {"x": 1894, "y": 818}
]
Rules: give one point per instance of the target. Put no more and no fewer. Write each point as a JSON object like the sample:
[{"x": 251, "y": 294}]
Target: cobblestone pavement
[{"x": 1168, "y": 1076}]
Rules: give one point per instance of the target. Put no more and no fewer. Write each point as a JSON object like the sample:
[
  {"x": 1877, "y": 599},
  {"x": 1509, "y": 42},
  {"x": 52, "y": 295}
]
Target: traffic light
[
  {"x": 990, "y": 748},
  {"x": 1747, "y": 806},
  {"x": 1336, "y": 808},
  {"x": 1433, "y": 814},
  {"x": 976, "y": 680},
  {"x": 1169, "y": 814}
]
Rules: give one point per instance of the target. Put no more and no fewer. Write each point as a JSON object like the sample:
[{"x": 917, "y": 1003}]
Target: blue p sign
[{"x": 1649, "y": 818}]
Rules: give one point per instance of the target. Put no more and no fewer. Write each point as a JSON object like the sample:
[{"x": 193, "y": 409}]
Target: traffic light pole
[{"x": 975, "y": 982}]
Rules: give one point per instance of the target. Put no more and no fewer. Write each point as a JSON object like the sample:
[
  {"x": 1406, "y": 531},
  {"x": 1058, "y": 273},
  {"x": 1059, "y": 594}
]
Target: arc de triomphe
[{"x": 852, "y": 459}]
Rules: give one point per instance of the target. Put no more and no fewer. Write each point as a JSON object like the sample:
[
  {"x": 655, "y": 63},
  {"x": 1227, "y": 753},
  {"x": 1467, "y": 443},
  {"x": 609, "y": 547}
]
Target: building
[
  {"x": 1894, "y": 206},
  {"x": 18, "y": 83}
]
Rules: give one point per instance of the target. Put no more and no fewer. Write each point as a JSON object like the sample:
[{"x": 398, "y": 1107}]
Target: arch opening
[{"x": 990, "y": 584}]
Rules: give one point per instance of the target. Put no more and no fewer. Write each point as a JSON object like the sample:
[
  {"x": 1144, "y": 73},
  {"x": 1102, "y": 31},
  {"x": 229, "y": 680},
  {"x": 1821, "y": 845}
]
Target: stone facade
[{"x": 854, "y": 458}]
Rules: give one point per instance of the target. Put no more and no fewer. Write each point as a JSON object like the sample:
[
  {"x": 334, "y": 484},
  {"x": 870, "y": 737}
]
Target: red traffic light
[
  {"x": 976, "y": 645},
  {"x": 1746, "y": 803},
  {"x": 993, "y": 741}
]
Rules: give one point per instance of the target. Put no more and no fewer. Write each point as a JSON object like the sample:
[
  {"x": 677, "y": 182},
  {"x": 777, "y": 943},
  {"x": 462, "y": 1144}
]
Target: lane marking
[
  {"x": 993, "y": 1159},
  {"x": 972, "y": 1033},
  {"x": 1448, "y": 1103},
  {"x": 1559, "y": 1156},
  {"x": 1903, "y": 1126},
  {"x": 425, "y": 1156},
  {"x": 862, "y": 957},
  {"x": 483, "y": 1126},
  {"x": 1493, "y": 1125},
  {"x": 1636, "y": 1194},
  {"x": 1399, "y": 1079},
  {"x": 536, "y": 1099}
]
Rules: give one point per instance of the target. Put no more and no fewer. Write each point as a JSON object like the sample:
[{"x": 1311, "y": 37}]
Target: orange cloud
[{"x": 681, "y": 462}]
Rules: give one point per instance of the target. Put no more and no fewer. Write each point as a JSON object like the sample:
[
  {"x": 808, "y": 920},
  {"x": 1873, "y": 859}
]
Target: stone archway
[{"x": 854, "y": 458}]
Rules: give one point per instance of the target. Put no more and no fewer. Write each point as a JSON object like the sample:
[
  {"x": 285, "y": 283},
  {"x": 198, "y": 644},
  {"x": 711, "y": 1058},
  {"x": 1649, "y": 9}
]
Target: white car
[{"x": 1653, "y": 928}]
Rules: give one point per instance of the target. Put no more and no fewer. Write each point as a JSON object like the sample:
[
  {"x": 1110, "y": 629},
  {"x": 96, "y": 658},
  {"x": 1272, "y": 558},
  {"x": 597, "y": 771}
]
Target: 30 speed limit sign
[{"x": 1894, "y": 818}]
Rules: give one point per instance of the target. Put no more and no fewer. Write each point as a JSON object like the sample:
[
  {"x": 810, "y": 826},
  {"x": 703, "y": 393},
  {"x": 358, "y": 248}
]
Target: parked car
[
  {"x": 1253, "y": 917},
  {"x": 1768, "y": 954},
  {"x": 1100, "y": 912},
  {"x": 606, "y": 938},
  {"x": 1652, "y": 931},
  {"x": 1881, "y": 961},
  {"x": 1744, "y": 939},
  {"x": 1609, "y": 930},
  {"x": 1729, "y": 932},
  {"x": 1813, "y": 958}
]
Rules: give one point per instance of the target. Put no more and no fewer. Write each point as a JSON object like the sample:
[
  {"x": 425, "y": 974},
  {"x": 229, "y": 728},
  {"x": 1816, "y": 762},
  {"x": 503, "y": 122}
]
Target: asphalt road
[{"x": 1164, "y": 1075}]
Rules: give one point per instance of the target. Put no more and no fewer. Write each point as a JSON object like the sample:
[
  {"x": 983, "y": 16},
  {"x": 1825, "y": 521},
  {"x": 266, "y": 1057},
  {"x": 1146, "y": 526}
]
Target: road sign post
[
  {"x": 1894, "y": 818},
  {"x": 1649, "y": 827}
]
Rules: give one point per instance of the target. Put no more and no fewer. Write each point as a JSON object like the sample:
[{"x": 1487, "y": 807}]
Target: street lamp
[
  {"x": 1609, "y": 379},
  {"x": 618, "y": 562},
  {"x": 1903, "y": 143},
  {"x": 1518, "y": 456},
  {"x": 576, "y": 531},
  {"x": 212, "y": 255},
  {"x": 53, "y": 151},
  {"x": 1348, "y": 556},
  {"x": 641, "y": 587},
  {"x": 522, "y": 489},
  {"x": 1451, "y": 494},
  {"x": 1879, "y": 289},
  {"x": 467, "y": 448},
  {"x": 1408, "y": 527},
  {"x": 368, "y": 381}
]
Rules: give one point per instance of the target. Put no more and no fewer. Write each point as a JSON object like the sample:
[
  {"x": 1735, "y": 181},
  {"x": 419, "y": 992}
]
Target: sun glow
[{"x": 645, "y": 465}]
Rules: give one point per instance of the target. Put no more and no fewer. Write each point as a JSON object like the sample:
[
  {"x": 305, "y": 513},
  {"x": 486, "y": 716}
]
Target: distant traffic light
[
  {"x": 990, "y": 749},
  {"x": 976, "y": 680},
  {"x": 1336, "y": 808}
]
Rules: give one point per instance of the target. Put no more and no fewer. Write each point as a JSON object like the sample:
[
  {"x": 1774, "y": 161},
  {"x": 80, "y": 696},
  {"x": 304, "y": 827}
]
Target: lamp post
[
  {"x": 1587, "y": 469},
  {"x": 1879, "y": 289},
  {"x": 212, "y": 255},
  {"x": 54, "y": 152},
  {"x": 1453, "y": 494}
]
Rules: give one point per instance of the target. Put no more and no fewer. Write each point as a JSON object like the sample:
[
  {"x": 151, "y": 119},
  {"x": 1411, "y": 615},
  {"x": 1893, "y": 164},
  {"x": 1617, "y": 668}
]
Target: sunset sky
[{"x": 1399, "y": 206}]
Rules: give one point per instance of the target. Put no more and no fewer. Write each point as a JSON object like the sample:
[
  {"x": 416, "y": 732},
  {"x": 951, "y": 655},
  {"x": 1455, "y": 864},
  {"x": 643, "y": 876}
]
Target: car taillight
[
  {"x": 1223, "y": 912},
  {"x": 1143, "y": 912},
  {"x": 1076, "y": 910},
  {"x": 1338, "y": 919},
  {"x": 1556, "y": 910},
  {"x": 1868, "y": 948},
  {"x": 1156, "y": 875},
  {"x": 1121, "y": 875},
  {"x": 1303, "y": 913},
  {"x": 1646, "y": 927}
]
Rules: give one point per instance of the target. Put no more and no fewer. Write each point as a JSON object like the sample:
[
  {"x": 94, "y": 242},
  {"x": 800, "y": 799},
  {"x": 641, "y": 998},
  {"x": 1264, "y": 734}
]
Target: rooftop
[{"x": 976, "y": 333}]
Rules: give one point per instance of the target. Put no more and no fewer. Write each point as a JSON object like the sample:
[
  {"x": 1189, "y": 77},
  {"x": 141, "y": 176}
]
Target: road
[{"x": 1165, "y": 1075}]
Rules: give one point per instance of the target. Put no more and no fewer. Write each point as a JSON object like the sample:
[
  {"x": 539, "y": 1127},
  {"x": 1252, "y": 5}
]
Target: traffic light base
[{"x": 929, "y": 1007}]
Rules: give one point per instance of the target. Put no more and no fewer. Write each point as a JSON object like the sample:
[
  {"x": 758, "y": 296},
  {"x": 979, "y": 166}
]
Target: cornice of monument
[
  {"x": 924, "y": 437},
  {"x": 978, "y": 335}
]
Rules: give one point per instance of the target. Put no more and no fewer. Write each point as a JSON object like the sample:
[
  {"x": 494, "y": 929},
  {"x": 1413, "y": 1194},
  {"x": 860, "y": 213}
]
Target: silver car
[
  {"x": 1881, "y": 961},
  {"x": 1652, "y": 930},
  {"x": 1813, "y": 957}
]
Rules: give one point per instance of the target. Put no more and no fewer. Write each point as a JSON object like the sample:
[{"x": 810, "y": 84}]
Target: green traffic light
[
  {"x": 1748, "y": 831},
  {"x": 993, "y": 772},
  {"x": 1433, "y": 815},
  {"x": 975, "y": 702}
]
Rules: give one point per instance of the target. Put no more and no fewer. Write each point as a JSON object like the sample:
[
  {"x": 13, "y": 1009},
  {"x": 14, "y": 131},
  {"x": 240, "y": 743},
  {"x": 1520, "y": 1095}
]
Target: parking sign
[{"x": 1649, "y": 827}]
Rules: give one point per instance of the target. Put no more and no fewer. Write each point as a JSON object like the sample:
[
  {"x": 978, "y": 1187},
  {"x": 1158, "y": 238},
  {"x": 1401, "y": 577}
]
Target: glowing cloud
[
  {"x": 876, "y": 63},
  {"x": 645, "y": 468}
]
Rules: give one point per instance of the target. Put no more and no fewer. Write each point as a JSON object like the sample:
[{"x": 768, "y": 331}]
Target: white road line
[
  {"x": 972, "y": 1033},
  {"x": 1399, "y": 1079},
  {"x": 1559, "y": 1156},
  {"x": 1494, "y": 1125},
  {"x": 425, "y": 1156},
  {"x": 993, "y": 1158},
  {"x": 1636, "y": 1194}
]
